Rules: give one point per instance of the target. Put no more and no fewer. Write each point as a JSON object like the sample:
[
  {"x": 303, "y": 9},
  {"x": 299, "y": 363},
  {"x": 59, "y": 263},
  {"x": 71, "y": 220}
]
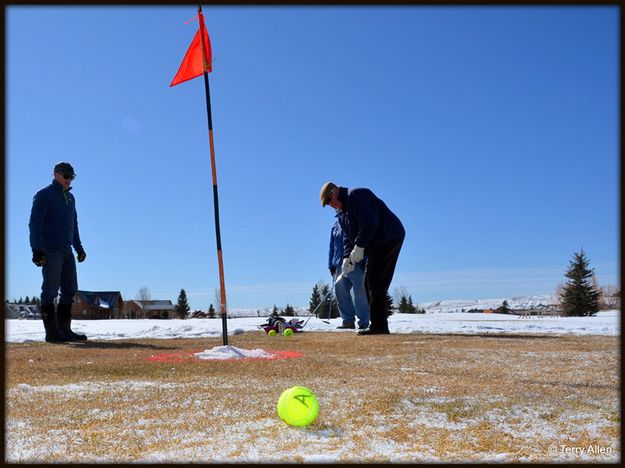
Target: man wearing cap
[
  {"x": 53, "y": 231},
  {"x": 371, "y": 230}
]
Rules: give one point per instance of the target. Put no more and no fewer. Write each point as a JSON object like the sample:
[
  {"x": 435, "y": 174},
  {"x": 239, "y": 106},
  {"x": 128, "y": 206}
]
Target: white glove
[
  {"x": 357, "y": 255},
  {"x": 347, "y": 267}
]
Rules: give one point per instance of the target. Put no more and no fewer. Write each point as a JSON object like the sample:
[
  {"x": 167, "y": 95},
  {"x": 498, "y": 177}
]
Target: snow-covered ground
[{"x": 604, "y": 323}]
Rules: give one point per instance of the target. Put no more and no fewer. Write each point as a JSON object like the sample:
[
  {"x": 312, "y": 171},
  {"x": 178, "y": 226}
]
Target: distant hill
[{"x": 433, "y": 307}]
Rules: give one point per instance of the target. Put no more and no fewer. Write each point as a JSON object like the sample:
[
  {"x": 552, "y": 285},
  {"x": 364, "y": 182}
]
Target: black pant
[{"x": 378, "y": 276}]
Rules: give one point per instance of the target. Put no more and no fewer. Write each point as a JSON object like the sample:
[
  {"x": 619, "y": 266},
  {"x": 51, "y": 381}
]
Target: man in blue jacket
[
  {"x": 370, "y": 229},
  {"x": 53, "y": 231},
  {"x": 349, "y": 307}
]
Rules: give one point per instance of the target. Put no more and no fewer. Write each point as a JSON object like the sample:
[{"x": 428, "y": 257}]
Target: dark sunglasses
[{"x": 68, "y": 176}]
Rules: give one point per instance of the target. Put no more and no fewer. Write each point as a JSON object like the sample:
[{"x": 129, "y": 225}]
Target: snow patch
[{"x": 232, "y": 352}]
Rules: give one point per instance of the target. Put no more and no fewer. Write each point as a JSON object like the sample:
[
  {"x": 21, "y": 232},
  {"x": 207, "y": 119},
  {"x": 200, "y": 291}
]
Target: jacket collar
[
  {"x": 58, "y": 186},
  {"x": 343, "y": 197}
]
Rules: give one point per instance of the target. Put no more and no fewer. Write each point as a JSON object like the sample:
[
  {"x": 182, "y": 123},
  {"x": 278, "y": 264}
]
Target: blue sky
[{"x": 492, "y": 132}]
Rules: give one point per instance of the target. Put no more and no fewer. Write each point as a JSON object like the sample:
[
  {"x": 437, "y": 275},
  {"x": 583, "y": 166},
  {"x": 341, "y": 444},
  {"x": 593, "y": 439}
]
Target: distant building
[
  {"x": 94, "y": 305},
  {"x": 136, "y": 309},
  {"x": 21, "y": 311}
]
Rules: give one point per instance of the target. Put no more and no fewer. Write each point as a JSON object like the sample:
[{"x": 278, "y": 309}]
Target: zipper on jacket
[{"x": 65, "y": 196}]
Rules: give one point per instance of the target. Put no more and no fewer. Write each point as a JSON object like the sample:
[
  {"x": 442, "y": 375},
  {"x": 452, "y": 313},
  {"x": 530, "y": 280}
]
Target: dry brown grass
[{"x": 382, "y": 398}]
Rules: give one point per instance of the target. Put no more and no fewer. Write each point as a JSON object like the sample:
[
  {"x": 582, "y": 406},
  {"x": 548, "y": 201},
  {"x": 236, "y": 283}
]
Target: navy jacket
[
  {"x": 367, "y": 222},
  {"x": 53, "y": 219}
]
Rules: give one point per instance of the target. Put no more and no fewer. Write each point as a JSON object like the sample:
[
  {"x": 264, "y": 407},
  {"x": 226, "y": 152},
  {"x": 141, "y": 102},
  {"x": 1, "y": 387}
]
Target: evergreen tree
[
  {"x": 27, "y": 300},
  {"x": 503, "y": 309},
  {"x": 411, "y": 307},
  {"x": 389, "y": 304},
  {"x": 315, "y": 299},
  {"x": 324, "y": 308},
  {"x": 275, "y": 312},
  {"x": 334, "y": 306},
  {"x": 289, "y": 311},
  {"x": 182, "y": 307},
  {"x": 579, "y": 298},
  {"x": 211, "y": 311},
  {"x": 20, "y": 301},
  {"x": 403, "y": 305}
]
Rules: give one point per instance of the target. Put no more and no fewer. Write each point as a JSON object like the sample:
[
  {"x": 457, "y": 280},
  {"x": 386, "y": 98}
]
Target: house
[
  {"x": 93, "y": 305},
  {"x": 137, "y": 309},
  {"x": 21, "y": 311}
]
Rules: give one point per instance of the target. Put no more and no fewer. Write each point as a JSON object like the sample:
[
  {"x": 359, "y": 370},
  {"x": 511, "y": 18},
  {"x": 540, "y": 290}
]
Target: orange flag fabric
[{"x": 192, "y": 65}]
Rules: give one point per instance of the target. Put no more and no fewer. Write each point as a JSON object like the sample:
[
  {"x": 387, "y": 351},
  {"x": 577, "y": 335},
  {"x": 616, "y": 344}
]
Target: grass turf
[{"x": 399, "y": 397}]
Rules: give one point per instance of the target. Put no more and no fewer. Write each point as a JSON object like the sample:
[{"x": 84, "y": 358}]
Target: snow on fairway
[
  {"x": 232, "y": 352},
  {"x": 604, "y": 323}
]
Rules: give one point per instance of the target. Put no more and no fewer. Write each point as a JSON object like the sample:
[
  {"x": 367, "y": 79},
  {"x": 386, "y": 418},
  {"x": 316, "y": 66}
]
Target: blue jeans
[
  {"x": 358, "y": 305},
  {"x": 59, "y": 271}
]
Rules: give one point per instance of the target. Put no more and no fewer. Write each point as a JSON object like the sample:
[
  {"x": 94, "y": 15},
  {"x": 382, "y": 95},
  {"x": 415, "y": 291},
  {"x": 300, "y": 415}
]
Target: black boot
[
  {"x": 49, "y": 323},
  {"x": 64, "y": 317},
  {"x": 374, "y": 331},
  {"x": 347, "y": 325}
]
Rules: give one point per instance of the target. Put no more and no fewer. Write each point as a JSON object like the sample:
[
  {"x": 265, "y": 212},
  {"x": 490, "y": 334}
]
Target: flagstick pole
[{"x": 222, "y": 284}]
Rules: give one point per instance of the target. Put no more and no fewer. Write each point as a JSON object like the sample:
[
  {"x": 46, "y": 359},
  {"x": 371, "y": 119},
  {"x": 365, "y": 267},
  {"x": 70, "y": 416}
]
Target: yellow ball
[
  {"x": 288, "y": 332},
  {"x": 272, "y": 333},
  {"x": 298, "y": 406}
]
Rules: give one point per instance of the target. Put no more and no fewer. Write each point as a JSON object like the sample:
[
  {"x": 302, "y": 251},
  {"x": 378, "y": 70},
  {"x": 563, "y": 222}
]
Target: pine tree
[
  {"x": 315, "y": 299},
  {"x": 27, "y": 300},
  {"x": 403, "y": 304},
  {"x": 389, "y": 304},
  {"x": 324, "y": 310},
  {"x": 211, "y": 311},
  {"x": 182, "y": 307},
  {"x": 503, "y": 308},
  {"x": 411, "y": 308},
  {"x": 579, "y": 297},
  {"x": 289, "y": 311},
  {"x": 334, "y": 306},
  {"x": 275, "y": 312}
]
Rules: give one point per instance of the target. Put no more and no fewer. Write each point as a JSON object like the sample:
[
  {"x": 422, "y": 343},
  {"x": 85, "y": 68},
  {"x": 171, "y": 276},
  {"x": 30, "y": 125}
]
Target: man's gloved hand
[
  {"x": 332, "y": 271},
  {"x": 347, "y": 267},
  {"x": 39, "y": 258},
  {"x": 358, "y": 253},
  {"x": 81, "y": 256}
]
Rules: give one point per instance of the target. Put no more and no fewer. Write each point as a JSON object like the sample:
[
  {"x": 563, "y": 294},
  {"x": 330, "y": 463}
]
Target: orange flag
[{"x": 192, "y": 65}]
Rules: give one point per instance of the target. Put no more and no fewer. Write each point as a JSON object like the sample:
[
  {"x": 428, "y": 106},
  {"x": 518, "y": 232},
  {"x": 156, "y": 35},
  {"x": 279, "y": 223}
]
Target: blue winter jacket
[
  {"x": 367, "y": 222},
  {"x": 335, "y": 257},
  {"x": 53, "y": 219}
]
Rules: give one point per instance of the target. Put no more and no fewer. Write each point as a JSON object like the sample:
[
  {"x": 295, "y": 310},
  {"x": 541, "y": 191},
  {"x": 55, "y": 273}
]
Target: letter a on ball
[{"x": 298, "y": 406}]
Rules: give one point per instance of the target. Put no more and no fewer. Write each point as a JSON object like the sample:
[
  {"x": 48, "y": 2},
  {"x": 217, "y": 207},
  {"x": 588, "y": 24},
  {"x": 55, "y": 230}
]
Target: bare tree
[
  {"x": 595, "y": 284},
  {"x": 557, "y": 295},
  {"x": 400, "y": 292},
  {"x": 218, "y": 300},
  {"x": 611, "y": 297},
  {"x": 143, "y": 294}
]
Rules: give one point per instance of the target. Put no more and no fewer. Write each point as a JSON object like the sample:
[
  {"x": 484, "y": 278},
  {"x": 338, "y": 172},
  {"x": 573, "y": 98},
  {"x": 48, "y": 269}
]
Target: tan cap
[{"x": 324, "y": 194}]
